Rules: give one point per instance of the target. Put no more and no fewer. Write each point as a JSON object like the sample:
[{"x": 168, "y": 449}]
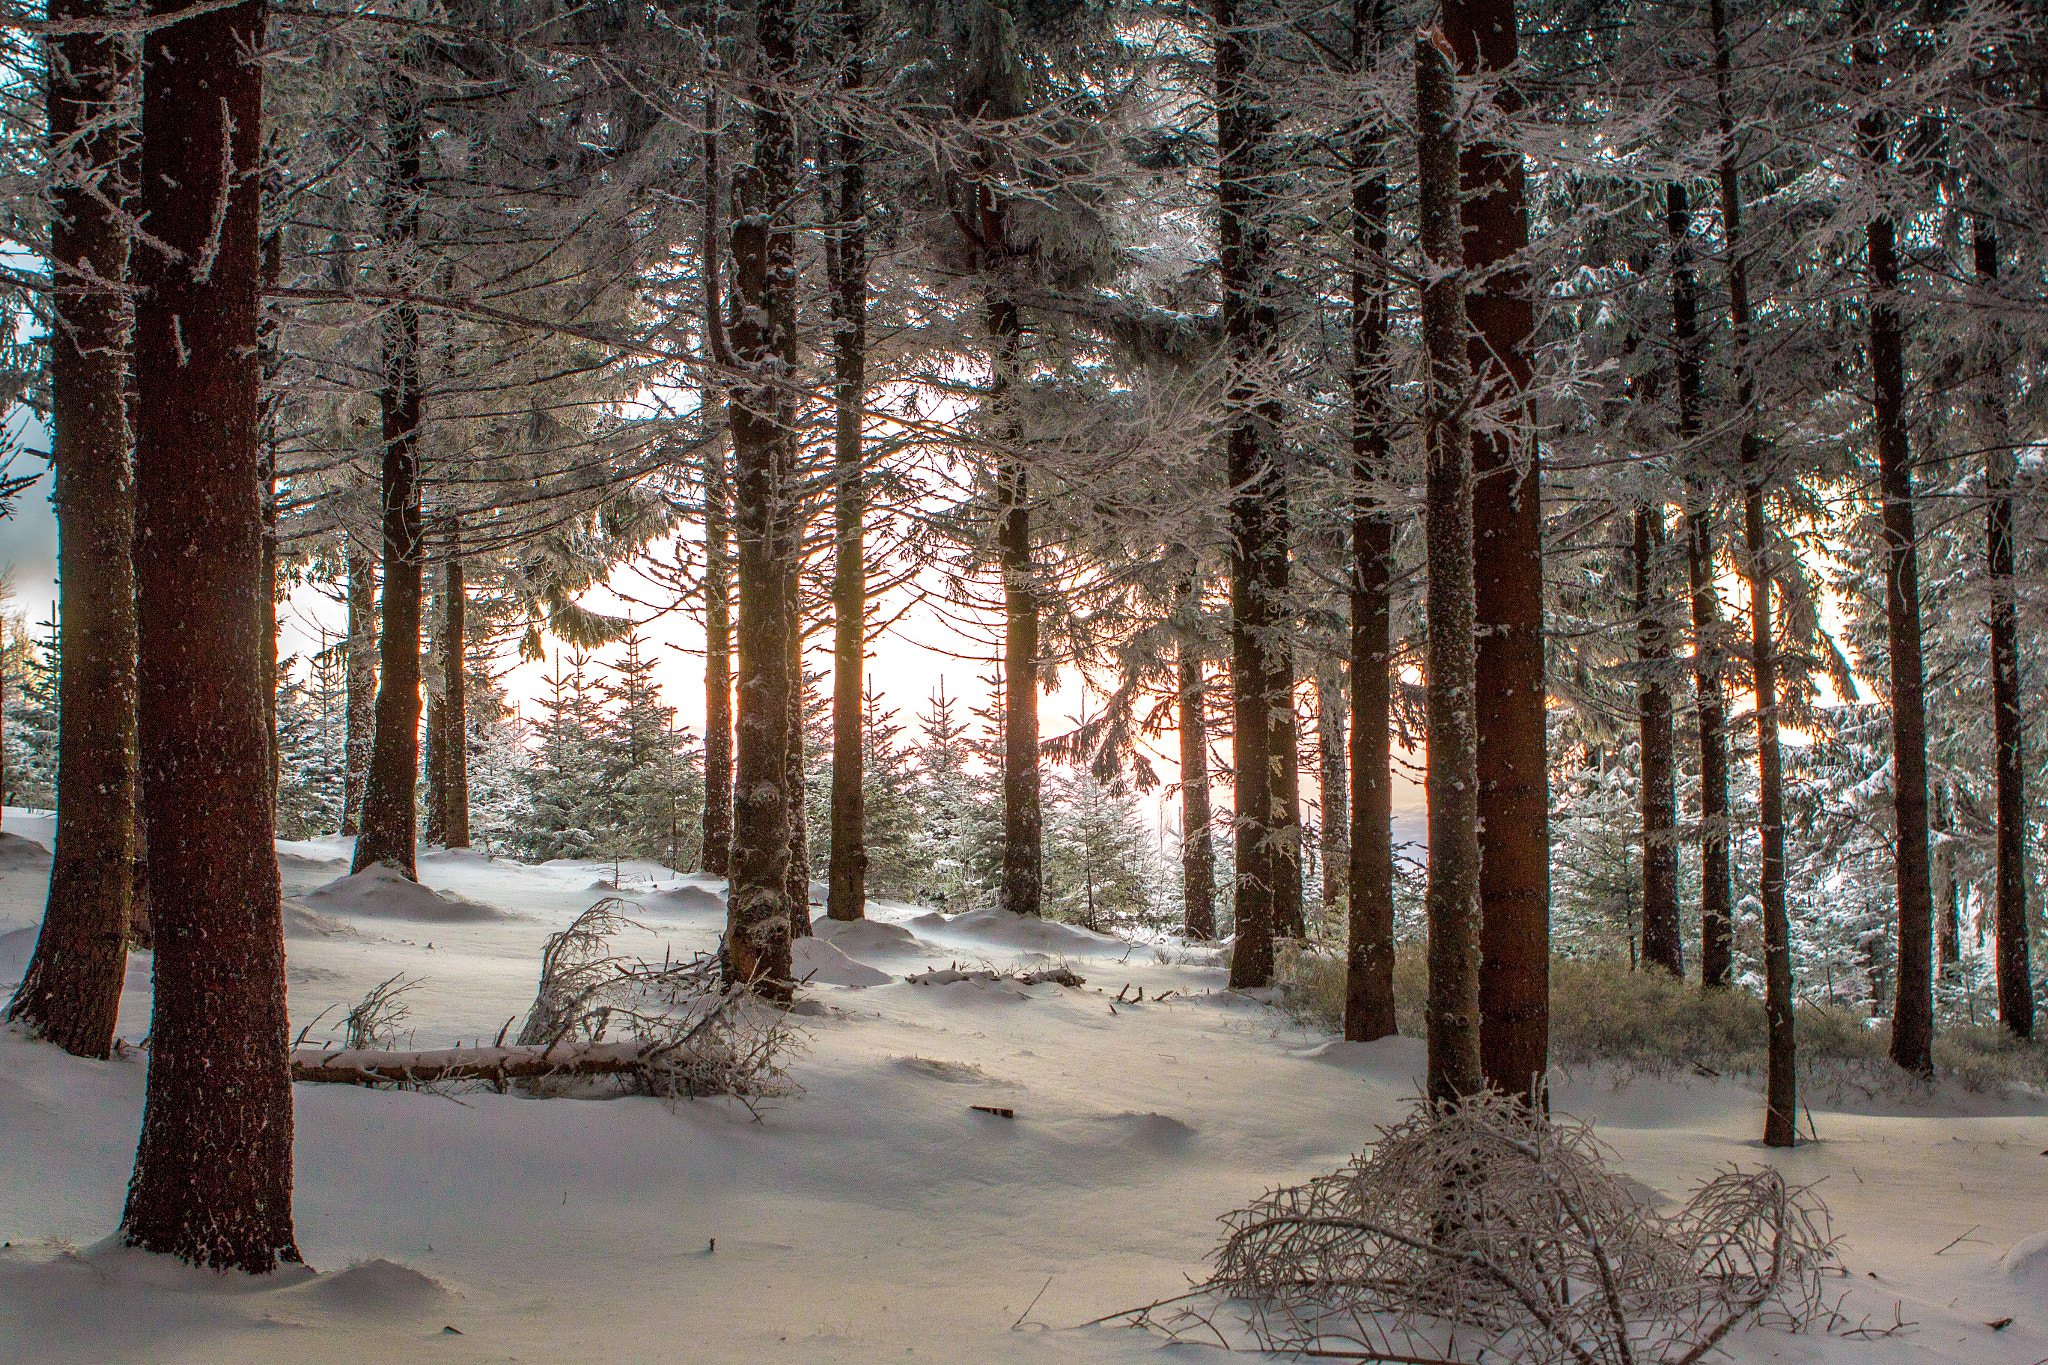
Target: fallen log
[{"x": 366, "y": 1066}]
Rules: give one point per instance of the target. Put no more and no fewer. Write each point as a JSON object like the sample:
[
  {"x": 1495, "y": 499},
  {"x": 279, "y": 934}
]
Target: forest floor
[{"x": 876, "y": 1215}]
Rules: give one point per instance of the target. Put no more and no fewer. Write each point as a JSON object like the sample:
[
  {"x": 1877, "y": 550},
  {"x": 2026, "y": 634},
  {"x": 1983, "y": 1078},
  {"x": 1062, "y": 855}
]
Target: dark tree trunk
[
  {"x": 266, "y": 480},
  {"x": 1453, "y": 896},
  {"x": 1781, "y": 1084},
  {"x": 763, "y": 447},
  {"x": 1335, "y": 841},
  {"x": 1913, "y": 1001},
  {"x": 2015, "y": 984},
  {"x": 846, "y": 878},
  {"x": 1717, "y": 913},
  {"x": 435, "y": 805},
  {"x": 798, "y": 878},
  {"x": 361, "y": 652},
  {"x": 455, "y": 702},
  {"x": 1514, "y": 794},
  {"x": 1369, "y": 954},
  {"x": 389, "y": 819},
  {"x": 213, "y": 1172},
  {"x": 1948, "y": 946},
  {"x": 1023, "y": 819},
  {"x": 72, "y": 988},
  {"x": 1260, "y": 675},
  {"x": 717, "y": 553},
  {"x": 1197, "y": 846},
  {"x": 1662, "y": 941},
  {"x": 1289, "y": 920}
]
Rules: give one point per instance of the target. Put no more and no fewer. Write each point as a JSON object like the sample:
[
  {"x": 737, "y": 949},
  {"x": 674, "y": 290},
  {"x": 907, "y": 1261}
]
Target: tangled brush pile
[
  {"x": 1483, "y": 1227},
  {"x": 696, "y": 1034}
]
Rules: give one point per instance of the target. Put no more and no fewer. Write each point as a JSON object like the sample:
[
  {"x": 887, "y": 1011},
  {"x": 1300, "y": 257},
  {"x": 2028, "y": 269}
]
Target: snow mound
[
  {"x": 1153, "y": 1131},
  {"x": 383, "y": 892},
  {"x": 1018, "y": 931},
  {"x": 299, "y": 922},
  {"x": 376, "y": 1286},
  {"x": 450, "y": 857},
  {"x": 867, "y": 936},
  {"x": 17, "y": 946},
  {"x": 817, "y": 961},
  {"x": 953, "y": 1073},
  {"x": 685, "y": 899},
  {"x": 17, "y": 852},
  {"x": 2027, "y": 1262}
]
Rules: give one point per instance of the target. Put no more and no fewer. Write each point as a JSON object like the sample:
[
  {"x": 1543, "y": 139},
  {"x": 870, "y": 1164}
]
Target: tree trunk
[
  {"x": 213, "y": 1172},
  {"x": 1369, "y": 948},
  {"x": 2015, "y": 983},
  {"x": 1453, "y": 896},
  {"x": 763, "y": 446},
  {"x": 72, "y": 988},
  {"x": 1023, "y": 817},
  {"x": 1662, "y": 942},
  {"x": 1514, "y": 796},
  {"x": 1197, "y": 846},
  {"x": 846, "y": 885},
  {"x": 266, "y": 481},
  {"x": 1260, "y": 675},
  {"x": 1913, "y": 998},
  {"x": 1948, "y": 947},
  {"x": 798, "y": 877},
  {"x": 389, "y": 818},
  {"x": 1289, "y": 919},
  {"x": 361, "y": 652},
  {"x": 435, "y": 805},
  {"x": 455, "y": 689},
  {"x": 1781, "y": 1085},
  {"x": 717, "y": 562},
  {"x": 1335, "y": 842},
  {"x": 1717, "y": 915}
]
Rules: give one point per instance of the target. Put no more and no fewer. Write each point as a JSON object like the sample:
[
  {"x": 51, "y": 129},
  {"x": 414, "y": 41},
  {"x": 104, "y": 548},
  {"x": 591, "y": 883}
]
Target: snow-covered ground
[{"x": 877, "y": 1216}]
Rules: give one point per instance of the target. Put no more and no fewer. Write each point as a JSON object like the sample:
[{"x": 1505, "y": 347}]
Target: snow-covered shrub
[{"x": 1484, "y": 1225}]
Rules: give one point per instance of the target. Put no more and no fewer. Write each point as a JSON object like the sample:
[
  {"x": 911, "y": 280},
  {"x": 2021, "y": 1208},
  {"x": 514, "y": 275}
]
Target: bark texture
[
  {"x": 1453, "y": 896},
  {"x": 2015, "y": 982},
  {"x": 763, "y": 447},
  {"x": 1197, "y": 846},
  {"x": 361, "y": 652},
  {"x": 1781, "y": 1084},
  {"x": 1717, "y": 906},
  {"x": 1514, "y": 795},
  {"x": 1023, "y": 881},
  {"x": 455, "y": 690},
  {"x": 1260, "y": 676},
  {"x": 1369, "y": 937},
  {"x": 213, "y": 1171},
  {"x": 1662, "y": 937},
  {"x": 847, "y": 262},
  {"x": 389, "y": 829},
  {"x": 1335, "y": 835},
  {"x": 797, "y": 880},
  {"x": 717, "y": 537},
  {"x": 1913, "y": 1000},
  {"x": 73, "y": 984}
]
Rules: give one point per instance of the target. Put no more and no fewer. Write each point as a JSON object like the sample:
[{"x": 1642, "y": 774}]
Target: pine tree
[
  {"x": 213, "y": 1171},
  {"x": 73, "y": 984},
  {"x": 1099, "y": 874}
]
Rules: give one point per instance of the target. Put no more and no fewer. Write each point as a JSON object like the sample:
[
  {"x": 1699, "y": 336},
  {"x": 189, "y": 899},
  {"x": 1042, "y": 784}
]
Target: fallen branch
[{"x": 365, "y": 1066}]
